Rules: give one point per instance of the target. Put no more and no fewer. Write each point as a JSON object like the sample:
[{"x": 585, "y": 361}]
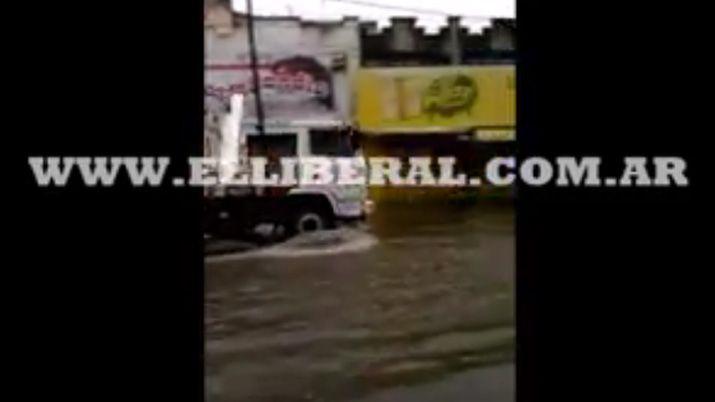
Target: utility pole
[{"x": 260, "y": 118}]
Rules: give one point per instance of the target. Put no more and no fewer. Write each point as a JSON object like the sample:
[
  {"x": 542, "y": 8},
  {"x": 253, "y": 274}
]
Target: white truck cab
[{"x": 300, "y": 208}]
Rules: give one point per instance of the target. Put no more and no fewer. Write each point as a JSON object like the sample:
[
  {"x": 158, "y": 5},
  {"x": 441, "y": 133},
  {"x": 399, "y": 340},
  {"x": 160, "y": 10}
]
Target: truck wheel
[{"x": 311, "y": 219}]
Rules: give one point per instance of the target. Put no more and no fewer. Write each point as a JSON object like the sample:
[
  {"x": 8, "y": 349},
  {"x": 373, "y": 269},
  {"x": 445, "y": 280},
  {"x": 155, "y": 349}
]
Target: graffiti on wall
[
  {"x": 405, "y": 98},
  {"x": 293, "y": 85}
]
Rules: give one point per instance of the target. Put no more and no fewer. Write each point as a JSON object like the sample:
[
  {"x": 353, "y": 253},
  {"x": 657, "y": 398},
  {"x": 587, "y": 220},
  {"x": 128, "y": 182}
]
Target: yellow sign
[
  {"x": 416, "y": 99},
  {"x": 495, "y": 135}
]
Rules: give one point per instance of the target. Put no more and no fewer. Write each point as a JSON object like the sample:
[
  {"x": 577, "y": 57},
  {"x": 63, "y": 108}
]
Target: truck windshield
[{"x": 273, "y": 145}]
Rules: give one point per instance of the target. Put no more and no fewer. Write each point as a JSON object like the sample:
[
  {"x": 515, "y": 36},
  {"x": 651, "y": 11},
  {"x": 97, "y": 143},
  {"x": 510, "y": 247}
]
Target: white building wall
[{"x": 297, "y": 60}]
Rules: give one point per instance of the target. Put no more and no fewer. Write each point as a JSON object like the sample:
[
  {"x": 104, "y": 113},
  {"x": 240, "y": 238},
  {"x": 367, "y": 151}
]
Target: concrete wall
[
  {"x": 403, "y": 43},
  {"x": 306, "y": 68}
]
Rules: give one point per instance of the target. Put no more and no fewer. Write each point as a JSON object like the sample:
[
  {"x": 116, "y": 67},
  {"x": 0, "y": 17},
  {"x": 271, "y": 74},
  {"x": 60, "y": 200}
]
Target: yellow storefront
[{"x": 464, "y": 111}]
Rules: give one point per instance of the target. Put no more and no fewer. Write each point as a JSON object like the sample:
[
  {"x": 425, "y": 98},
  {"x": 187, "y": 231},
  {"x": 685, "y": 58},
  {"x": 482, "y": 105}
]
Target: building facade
[
  {"x": 452, "y": 93},
  {"x": 408, "y": 93},
  {"x": 305, "y": 67},
  {"x": 403, "y": 43}
]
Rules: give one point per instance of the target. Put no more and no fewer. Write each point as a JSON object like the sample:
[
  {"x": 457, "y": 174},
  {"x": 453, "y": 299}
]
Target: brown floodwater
[{"x": 415, "y": 305}]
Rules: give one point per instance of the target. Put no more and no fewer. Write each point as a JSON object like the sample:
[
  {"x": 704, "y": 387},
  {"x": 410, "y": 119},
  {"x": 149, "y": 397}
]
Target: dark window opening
[
  {"x": 273, "y": 147},
  {"x": 331, "y": 143}
]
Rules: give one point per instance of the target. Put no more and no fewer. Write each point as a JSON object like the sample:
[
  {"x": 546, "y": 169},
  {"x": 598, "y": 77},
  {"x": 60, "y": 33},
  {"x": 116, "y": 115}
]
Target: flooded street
[{"x": 416, "y": 306}]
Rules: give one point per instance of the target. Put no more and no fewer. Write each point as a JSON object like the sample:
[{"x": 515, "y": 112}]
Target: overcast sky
[{"x": 429, "y": 13}]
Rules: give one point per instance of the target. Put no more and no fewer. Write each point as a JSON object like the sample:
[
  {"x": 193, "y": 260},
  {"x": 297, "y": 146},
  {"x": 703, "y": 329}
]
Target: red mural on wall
[{"x": 288, "y": 85}]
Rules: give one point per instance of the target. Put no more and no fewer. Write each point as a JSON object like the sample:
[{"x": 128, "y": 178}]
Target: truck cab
[{"x": 237, "y": 211}]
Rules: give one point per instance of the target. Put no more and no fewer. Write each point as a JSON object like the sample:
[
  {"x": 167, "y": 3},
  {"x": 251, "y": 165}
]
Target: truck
[{"x": 236, "y": 211}]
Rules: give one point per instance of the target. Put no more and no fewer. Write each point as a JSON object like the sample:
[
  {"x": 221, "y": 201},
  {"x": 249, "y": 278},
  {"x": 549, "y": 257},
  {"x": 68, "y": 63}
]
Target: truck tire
[{"x": 311, "y": 217}]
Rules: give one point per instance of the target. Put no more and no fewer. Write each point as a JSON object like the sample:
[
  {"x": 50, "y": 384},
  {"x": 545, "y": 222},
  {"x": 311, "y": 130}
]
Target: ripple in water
[{"x": 323, "y": 243}]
